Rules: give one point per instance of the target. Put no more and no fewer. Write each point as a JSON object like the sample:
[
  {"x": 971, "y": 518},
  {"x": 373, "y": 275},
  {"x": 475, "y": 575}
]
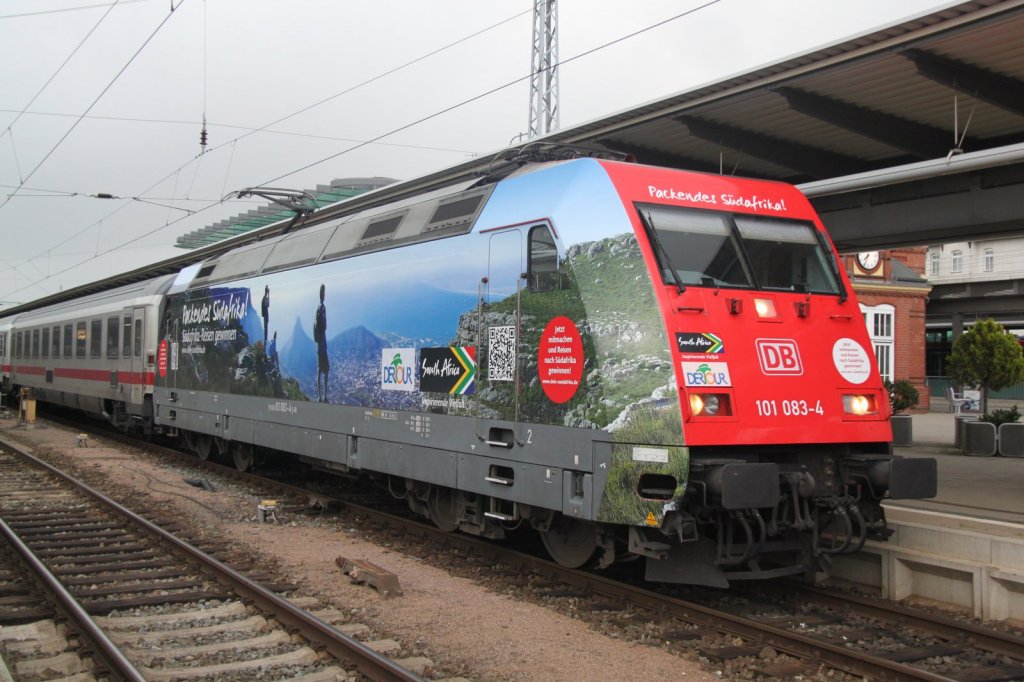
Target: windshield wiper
[
  {"x": 653, "y": 234},
  {"x": 834, "y": 262}
]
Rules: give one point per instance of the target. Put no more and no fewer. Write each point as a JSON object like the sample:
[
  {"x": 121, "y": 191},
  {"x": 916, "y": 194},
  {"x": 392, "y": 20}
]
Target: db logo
[{"x": 779, "y": 356}]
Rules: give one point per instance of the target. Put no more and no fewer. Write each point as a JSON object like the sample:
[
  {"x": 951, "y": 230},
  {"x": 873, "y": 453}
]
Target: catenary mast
[{"x": 544, "y": 69}]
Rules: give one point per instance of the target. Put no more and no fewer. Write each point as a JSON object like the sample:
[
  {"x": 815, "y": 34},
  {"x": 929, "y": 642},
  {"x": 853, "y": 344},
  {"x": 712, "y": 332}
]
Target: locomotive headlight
[
  {"x": 710, "y": 405},
  {"x": 765, "y": 307},
  {"x": 859, "y": 404}
]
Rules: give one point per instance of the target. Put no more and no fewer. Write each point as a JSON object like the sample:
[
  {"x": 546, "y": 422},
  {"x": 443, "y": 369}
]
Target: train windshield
[{"x": 712, "y": 249}]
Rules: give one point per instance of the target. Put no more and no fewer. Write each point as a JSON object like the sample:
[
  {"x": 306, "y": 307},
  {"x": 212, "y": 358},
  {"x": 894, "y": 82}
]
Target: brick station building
[{"x": 892, "y": 291}]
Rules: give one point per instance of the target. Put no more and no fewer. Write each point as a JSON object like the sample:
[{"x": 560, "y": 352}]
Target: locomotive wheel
[
  {"x": 203, "y": 446},
  {"x": 571, "y": 543},
  {"x": 242, "y": 454},
  {"x": 441, "y": 505}
]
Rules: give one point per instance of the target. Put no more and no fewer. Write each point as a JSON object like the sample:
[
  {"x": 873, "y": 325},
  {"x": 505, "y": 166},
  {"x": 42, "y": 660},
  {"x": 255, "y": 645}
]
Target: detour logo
[{"x": 706, "y": 374}]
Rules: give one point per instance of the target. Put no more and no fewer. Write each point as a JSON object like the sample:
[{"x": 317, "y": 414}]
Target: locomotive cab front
[{"x": 784, "y": 414}]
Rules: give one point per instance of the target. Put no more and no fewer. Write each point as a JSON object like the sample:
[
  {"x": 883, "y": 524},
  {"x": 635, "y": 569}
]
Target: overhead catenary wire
[
  {"x": 377, "y": 138},
  {"x": 91, "y": 105},
  {"x": 492, "y": 91},
  {"x": 64, "y": 10},
  {"x": 198, "y": 157},
  {"x": 60, "y": 68},
  {"x": 250, "y": 129},
  {"x": 14, "y": 153}
]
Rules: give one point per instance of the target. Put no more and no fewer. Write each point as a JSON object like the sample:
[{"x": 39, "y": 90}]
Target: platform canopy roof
[
  {"x": 946, "y": 81},
  {"x": 910, "y": 134},
  {"x": 934, "y": 93}
]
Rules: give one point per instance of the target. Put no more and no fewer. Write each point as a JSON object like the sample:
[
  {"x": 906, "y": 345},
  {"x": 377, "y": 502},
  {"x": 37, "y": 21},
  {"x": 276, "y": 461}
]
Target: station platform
[
  {"x": 982, "y": 487},
  {"x": 964, "y": 548}
]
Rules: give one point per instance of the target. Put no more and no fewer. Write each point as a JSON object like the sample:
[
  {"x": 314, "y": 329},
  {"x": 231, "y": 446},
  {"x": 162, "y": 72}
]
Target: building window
[
  {"x": 879, "y": 321},
  {"x": 935, "y": 262},
  {"x": 990, "y": 260},
  {"x": 883, "y": 356},
  {"x": 958, "y": 261}
]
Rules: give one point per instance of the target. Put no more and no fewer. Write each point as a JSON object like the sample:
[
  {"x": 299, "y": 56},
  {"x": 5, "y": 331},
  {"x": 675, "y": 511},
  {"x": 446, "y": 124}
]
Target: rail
[{"x": 366, "y": 660}]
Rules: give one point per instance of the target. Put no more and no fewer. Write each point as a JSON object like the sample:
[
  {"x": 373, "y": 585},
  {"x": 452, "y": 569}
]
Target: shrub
[
  {"x": 902, "y": 395},
  {"x": 998, "y": 417}
]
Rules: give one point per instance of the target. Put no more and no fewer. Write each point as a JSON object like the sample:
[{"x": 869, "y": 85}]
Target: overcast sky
[{"x": 110, "y": 98}]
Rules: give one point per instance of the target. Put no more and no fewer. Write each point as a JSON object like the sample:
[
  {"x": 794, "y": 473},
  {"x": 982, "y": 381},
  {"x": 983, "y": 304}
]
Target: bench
[{"x": 956, "y": 400}]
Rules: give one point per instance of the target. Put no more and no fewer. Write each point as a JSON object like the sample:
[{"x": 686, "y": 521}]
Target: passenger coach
[
  {"x": 96, "y": 353},
  {"x": 5, "y": 358}
]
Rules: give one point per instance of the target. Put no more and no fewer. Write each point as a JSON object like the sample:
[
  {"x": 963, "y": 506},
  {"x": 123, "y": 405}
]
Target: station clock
[{"x": 868, "y": 260}]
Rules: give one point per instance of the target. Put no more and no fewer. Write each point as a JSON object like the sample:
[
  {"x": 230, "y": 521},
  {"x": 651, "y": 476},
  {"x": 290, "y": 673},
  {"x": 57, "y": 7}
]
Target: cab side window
[{"x": 542, "y": 260}]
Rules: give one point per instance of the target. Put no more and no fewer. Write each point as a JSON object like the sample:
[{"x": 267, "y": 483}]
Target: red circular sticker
[
  {"x": 161, "y": 358},
  {"x": 560, "y": 359}
]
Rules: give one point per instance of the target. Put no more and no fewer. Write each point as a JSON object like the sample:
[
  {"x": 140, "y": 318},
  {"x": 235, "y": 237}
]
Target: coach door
[
  {"x": 499, "y": 332},
  {"x": 138, "y": 355}
]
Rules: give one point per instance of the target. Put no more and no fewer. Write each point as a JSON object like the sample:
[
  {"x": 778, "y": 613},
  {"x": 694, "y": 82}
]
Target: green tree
[{"x": 987, "y": 356}]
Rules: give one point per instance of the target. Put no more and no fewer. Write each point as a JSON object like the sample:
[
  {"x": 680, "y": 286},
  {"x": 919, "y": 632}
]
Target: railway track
[
  {"x": 793, "y": 631},
  {"x": 782, "y": 631},
  {"x": 143, "y": 604}
]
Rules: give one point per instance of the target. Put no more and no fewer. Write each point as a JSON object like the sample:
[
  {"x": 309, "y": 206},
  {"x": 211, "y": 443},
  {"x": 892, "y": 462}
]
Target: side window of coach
[
  {"x": 81, "y": 336},
  {"x": 113, "y": 327},
  {"x": 96, "y": 339},
  {"x": 68, "y": 339},
  {"x": 44, "y": 348},
  {"x": 126, "y": 348},
  {"x": 55, "y": 341}
]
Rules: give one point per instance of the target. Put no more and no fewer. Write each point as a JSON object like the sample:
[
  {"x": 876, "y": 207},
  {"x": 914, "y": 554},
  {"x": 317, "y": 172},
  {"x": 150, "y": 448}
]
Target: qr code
[{"x": 501, "y": 353}]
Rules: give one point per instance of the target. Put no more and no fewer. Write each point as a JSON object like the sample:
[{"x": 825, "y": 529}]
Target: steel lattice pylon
[{"x": 544, "y": 69}]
